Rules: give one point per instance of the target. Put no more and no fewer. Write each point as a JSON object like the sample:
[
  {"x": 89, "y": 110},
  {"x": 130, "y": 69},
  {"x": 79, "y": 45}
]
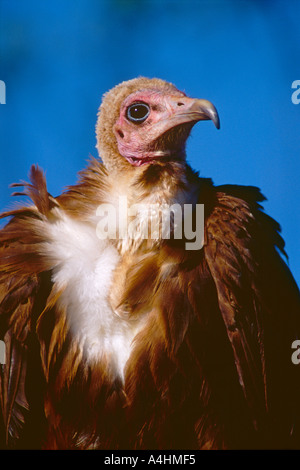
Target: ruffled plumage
[{"x": 149, "y": 345}]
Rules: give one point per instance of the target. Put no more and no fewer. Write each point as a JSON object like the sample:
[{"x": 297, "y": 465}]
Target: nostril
[
  {"x": 121, "y": 134},
  {"x": 180, "y": 103}
]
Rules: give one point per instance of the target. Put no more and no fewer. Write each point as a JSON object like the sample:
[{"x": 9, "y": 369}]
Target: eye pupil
[{"x": 138, "y": 112}]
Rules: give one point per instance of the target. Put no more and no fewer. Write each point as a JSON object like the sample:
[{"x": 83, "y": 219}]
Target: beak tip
[{"x": 216, "y": 120}]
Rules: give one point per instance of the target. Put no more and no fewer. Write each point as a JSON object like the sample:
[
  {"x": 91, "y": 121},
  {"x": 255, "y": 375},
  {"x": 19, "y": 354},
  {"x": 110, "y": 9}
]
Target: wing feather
[
  {"x": 259, "y": 302},
  {"x": 22, "y": 294}
]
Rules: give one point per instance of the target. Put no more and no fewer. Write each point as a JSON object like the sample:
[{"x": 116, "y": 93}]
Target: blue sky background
[{"x": 58, "y": 57}]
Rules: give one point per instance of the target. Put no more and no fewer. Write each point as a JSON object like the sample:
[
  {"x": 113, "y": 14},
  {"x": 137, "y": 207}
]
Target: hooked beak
[
  {"x": 204, "y": 110},
  {"x": 186, "y": 110}
]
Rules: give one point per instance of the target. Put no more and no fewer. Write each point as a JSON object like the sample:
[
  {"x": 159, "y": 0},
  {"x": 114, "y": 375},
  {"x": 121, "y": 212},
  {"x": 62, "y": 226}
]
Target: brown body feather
[{"x": 201, "y": 373}]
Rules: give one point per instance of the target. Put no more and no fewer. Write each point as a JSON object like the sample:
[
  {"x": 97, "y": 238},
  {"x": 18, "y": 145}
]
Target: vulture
[{"x": 121, "y": 336}]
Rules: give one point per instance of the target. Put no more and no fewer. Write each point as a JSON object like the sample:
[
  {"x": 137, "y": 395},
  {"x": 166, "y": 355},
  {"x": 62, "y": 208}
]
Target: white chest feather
[{"x": 84, "y": 269}]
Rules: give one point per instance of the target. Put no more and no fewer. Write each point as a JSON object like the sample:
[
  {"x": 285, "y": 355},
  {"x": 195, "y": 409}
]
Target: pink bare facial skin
[
  {"x": 134, "y": 140},
  {"x": 137, "y": 141}
]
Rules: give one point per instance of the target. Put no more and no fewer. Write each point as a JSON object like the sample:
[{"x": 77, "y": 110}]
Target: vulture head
[{"x": 145, "y": 121}]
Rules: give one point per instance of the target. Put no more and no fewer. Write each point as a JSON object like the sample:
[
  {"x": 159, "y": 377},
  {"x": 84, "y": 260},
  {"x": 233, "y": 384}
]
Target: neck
[{"x": 148, "y": 197}]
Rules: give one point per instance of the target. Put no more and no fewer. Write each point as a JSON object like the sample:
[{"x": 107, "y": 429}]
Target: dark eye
[{"x": 138, "y": 112}]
